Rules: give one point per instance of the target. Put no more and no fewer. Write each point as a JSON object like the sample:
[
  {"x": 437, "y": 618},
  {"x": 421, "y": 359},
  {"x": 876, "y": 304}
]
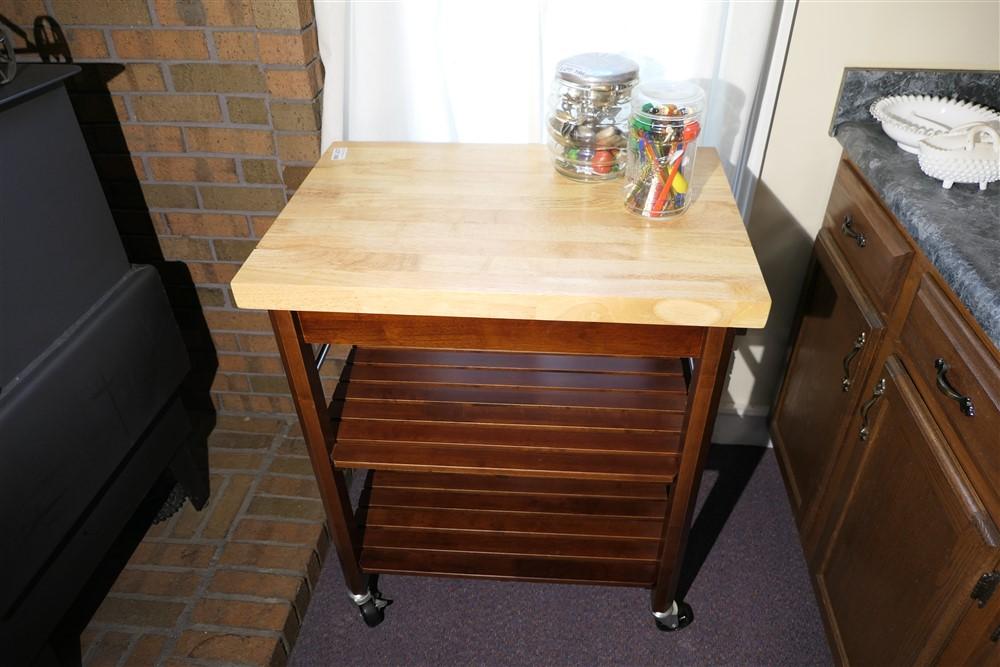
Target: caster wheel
[
  {"x": 679, "y": 617},
  {"x": 371, "y": 613}
]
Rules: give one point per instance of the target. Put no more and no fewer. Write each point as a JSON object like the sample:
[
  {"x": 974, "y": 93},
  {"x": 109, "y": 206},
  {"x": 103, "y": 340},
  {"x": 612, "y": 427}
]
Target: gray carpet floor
[{"x": 744, "y": 575}]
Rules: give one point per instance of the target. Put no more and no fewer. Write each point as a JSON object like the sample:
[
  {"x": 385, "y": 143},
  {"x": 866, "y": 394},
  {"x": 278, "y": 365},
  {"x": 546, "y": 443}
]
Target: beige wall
[{"x": 801, "y": 157}]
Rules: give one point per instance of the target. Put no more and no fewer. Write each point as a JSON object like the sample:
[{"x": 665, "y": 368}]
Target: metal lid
[{"x": 596, "y": 68}]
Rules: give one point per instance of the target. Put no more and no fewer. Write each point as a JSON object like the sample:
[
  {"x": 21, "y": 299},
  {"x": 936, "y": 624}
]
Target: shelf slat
[
  {"x": 534, "y": 415},
  {"x": 486, "y": 413},
  {"x": 512, "y": 528}
]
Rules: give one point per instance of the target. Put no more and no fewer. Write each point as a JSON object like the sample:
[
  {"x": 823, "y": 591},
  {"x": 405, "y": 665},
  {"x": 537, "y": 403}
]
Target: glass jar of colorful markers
[
  {"x": 588, "y": 115},
  {"x": 662, "y": 144}
]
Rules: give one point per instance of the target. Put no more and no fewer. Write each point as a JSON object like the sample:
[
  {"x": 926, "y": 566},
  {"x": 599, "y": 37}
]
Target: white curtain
[{"x": 477, "y": 71}]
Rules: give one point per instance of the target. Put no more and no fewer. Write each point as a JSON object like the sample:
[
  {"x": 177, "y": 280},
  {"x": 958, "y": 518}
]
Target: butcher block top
[{"x": 492, "y": 231}]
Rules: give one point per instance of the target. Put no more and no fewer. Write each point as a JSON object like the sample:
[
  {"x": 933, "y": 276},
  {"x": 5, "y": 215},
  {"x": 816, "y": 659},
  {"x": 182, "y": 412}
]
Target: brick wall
[{"x": 202, "y": 117}]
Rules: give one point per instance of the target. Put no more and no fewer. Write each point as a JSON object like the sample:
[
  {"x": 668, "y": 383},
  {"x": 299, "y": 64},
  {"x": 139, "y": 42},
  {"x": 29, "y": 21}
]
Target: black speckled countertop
[{"x": 958, "y": 229}]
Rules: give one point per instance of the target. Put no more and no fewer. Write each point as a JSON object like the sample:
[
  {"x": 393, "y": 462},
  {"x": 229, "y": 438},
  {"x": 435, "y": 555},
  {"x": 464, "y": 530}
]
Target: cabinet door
[
  {"x": 911, "y": 540},
  {"x": 838, "y": 332}
]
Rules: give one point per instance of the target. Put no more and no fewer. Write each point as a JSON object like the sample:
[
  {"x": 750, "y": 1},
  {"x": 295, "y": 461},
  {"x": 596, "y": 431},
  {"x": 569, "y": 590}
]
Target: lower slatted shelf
[
  {"x": 542, "y": 415},
  {"x": 512, "y": 528}
]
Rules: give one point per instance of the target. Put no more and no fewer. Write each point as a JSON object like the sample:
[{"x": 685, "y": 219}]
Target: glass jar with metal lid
[
  {"x": 662, "y": 143},
  {"x": 589, "y": 110}
]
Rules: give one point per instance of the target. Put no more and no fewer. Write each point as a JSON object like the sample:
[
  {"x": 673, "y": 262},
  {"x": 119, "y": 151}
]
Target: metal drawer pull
[
  {"x": 866, "y": 408},
  {"x": 859, "y": 343},
  {"x": 964, "y": 402},
  {"x": 848, "y": 229}
]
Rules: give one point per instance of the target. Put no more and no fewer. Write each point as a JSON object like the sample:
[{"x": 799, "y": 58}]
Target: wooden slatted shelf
[
  {"x": 512, "y": 527},
  {"x": 539, "y": 415}
]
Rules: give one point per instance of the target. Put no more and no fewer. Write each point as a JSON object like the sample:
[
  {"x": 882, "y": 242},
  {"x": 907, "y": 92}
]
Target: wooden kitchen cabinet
[
  {"x": 839, "y": 328},
  {"x": 911, "y": 540},
  {"x": 894, "y": 485}
]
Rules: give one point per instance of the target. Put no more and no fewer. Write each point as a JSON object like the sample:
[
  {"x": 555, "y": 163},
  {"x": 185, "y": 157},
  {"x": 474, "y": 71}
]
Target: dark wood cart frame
[{"x": 708, "y": 348}]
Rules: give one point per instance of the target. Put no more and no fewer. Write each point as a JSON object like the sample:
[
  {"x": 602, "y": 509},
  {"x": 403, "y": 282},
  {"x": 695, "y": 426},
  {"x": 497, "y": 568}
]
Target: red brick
[
  {"x": 257, "y": 584},
  {"x": 293, "y": 446},
  {"x": 225, "y": 342},
  {"x": 233, "y": 363},
  {"x": 146, "y": 651},
  {"x": 159, "y": 138},
  {"x": 210, "y": 224},
  {"x": 284, "y": 49},
  {"x": 261, "y": 530},
  {"x": 184, "y": 108},
  {"x": 203, "y": 273},
  {"x": 227, "y": 382},
  {"x": 282, "y": 13},
  {"x": 180, "y": 247},
  {"x": 217, "y": 78},
  {"x": 160, "y": 44},
  {"x": 249, "y": 424},
  {"x": 296, "y": 116},
  {"x": 174, "y": 555},
  {"x": 299, "y": 487},
  {"x": 226, "y": 460},
  {"x": 109, "y": 649},
  {"x": 261, "y": 224},
  {"x": 287, "y": 508},
  {"x": 238, "y": 46},
  {"x": 283, "y": 465},
  {"x": 240, "y": 614},
  {"x": 239, "y": 440},
  {"x": 139, "y": 613},
  {"x": 159, "y": 195},
  {"x": 257, "y": 343},
  {"x": 136, "y": 77},
  {"x": 294, "y": 84},
  {"x": 211, "y": 169},
  {"x": 276, "y": 405},
  {"x": 226, "y": 507},
  {"x": 224, "y": 140},
  {"x": 222, "y": 13},
  {"x": 268, "y": 556},
  {"x": 242, "y": 198},
  {"x": 185, "y": 523},
  {"x": 86, "y": 44},
  {"x": 238, "y": 320},
  {"x": 261, "y": 171},
  {"x": 24, "y": 12},
  {"x": 298, "y": 147},
  {"x": 101, "y": 12},
  {"x": 294, "y": 175},
  {"x": 155, "y": 582},
  {"x": 231, "y": 648}
]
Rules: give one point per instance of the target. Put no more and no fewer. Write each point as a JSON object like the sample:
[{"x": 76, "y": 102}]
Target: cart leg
[
  {"x": 371, "y": 604},
  {"x": 678, "y": 616},
  {"x": 311, "y": 406},
  {"x": 707, "y": 381}
]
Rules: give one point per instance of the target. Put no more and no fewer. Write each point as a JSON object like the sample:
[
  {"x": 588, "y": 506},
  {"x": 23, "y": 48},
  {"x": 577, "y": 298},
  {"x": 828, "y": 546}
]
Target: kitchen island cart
[{"x": 533, "y": 373}]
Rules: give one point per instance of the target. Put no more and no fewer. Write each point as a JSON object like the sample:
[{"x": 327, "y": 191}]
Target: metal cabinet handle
[
  {"x": 964, "y": 402},
  {"x": 866, "y": 408},
  {"x": 859, "y": 343},
  {"x": 848, "y": 229}
]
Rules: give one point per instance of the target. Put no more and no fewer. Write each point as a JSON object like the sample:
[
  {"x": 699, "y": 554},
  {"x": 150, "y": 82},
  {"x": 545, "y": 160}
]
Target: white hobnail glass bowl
[
  {"x": 908, "y": 119},
  {"x": 971, "y": 155}
]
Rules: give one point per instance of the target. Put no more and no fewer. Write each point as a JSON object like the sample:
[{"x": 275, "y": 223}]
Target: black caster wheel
[
  {"x": 371, "y": 613},
  {"x": 678, "y": 617}
]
